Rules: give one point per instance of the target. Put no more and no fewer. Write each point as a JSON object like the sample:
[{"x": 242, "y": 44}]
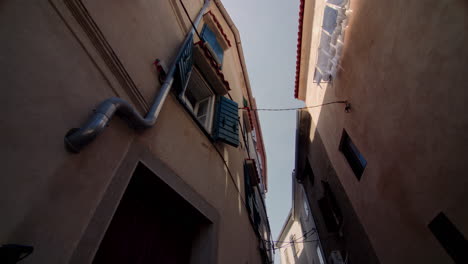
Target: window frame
[
  {"x": 212, "y": 48},
  {"x": 353, "y": 155},
  {"x": 193, "y": 109},
  {"x": 341, "y": 20}
]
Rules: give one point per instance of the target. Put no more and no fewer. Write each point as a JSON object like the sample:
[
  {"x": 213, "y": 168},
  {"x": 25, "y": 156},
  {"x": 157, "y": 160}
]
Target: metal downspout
[{"x": 77, "y": 138}]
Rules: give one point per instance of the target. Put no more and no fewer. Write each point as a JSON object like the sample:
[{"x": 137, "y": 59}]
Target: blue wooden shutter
[
  {"x": 209, "y": 36},
  {"x": 226, "y": 126},
  {"x": 184, "y": 66}
]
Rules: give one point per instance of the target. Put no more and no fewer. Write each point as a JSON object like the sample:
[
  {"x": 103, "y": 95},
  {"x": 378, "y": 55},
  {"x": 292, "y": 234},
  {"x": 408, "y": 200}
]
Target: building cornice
[{"x": 304, "y": 40}]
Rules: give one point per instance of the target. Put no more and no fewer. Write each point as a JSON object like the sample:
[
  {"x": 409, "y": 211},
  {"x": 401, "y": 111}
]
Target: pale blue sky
[{"x": 268, "y": 30}]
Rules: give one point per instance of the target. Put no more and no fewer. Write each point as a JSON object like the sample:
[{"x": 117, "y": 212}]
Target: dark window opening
[
  {"x": 309, "y": 173},
  {"x": 150, "y": 223},
  {"x": 245, "y": 135},
  {"x": 450, "y": 238},
  {"x": 354, "y": 157},
  {"x": 331, "y": 212}
]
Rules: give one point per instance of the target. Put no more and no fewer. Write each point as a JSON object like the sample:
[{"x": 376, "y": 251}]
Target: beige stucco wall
[
  {"x": 300, "y": 224},
  {"x": 53, "y": 77},
  {"x": 306, "y": 247},
  {"x": 292, "y": 256},
  {"x": 403, "y": 66},
  {"x": 307, "y": 223}
]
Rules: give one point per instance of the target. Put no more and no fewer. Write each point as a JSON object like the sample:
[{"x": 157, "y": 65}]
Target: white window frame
[
  {"x": 208, "y": 123},
  {"x": 336, "y": 42},
  {"x": 210, "y": 22}
]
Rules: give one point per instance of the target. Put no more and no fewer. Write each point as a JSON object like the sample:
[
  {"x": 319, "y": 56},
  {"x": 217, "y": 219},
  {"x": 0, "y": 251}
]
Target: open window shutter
[
  {"x": 226, "y": 126},
  {"x": 184, "y": 66}
]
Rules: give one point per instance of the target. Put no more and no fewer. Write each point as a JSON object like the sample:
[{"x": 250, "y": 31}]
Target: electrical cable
[
  {"x": 286, "y": 246},
  {"x": 313, "y": 230},
  {"x": 191, "y": 22},
  {"x": 289, "y": 243},
  {"x": 293, "y": 108}
]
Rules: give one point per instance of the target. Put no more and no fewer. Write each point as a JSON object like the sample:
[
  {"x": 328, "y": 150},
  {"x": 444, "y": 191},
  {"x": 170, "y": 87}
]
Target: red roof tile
[
  {"x": 299, "y": 47},
  {"x": 220, "y": 27},
  {"x": 213, "y": 63}
]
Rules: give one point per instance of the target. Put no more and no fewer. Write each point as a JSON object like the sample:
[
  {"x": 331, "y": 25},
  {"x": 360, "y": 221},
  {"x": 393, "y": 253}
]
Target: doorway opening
[{"x": 153, "y": 223}]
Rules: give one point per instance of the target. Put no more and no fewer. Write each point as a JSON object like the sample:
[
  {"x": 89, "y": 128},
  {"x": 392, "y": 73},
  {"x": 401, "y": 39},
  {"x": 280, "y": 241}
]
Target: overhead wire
[
  {"x": 293, "y": 108},
  {"x": 290, "y": 242},
  {"x": 190, "y": 19}
]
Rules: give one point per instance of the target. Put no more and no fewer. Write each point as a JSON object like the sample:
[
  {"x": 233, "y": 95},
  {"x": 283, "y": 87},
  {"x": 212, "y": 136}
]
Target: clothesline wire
[{"x": 292, "y": 108}]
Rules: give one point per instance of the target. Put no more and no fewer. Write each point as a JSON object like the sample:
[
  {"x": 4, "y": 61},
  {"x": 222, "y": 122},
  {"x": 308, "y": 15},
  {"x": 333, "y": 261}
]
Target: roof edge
[{"x": 299, "y": 48}]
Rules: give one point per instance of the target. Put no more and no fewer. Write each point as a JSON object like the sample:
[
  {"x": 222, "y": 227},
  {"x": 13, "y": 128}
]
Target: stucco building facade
[
  {"x": 298, "y": 241},
  {"x": 384, "y": 166},
  {"x": 159, "y": 171}
]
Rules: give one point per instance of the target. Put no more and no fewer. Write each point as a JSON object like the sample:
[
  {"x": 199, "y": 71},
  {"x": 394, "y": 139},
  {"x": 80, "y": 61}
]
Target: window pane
[
  {"x": 325, "y": 41},
  {"x": 356, "y": 160},
  {"x": 322, "y": 62},
  {"x": 203, "y": 107},
  {"x": 202, "y": 120},
  {"x": 358, "y": 154},
  {"x": 329, "y": 19},
  {"x": 199, "y": 97},
  {"x": 209, "y": 36},
  {"x": 191, "y": 97}
]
